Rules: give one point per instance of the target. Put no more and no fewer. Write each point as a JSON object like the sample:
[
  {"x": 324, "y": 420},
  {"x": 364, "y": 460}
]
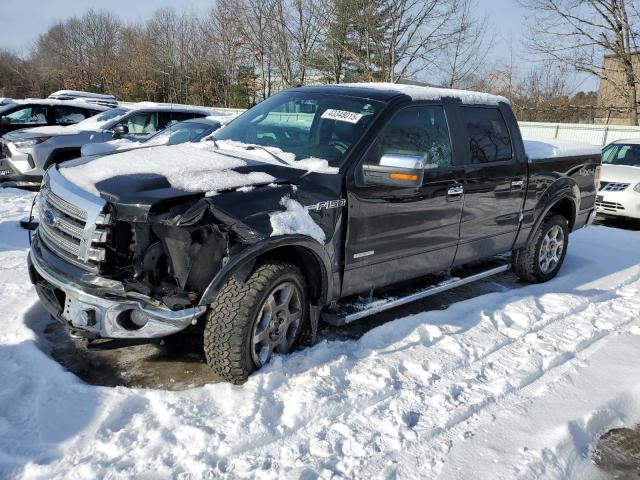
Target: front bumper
[
  {"x": 17, "y": 161},
  {"x": 102, "y": 310},
  {"x": 620, "y": 204}
]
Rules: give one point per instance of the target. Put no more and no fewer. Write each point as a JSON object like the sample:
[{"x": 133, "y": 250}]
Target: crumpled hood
[
  {"x": 182, "y": 172},
  {"x": 620, "y": 174}
]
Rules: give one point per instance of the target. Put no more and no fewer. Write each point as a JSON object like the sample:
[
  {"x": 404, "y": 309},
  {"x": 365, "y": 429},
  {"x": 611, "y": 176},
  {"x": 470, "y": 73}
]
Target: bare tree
[
  {"x": 470, "y": 45},
  {"x": 581, "y": 33}
]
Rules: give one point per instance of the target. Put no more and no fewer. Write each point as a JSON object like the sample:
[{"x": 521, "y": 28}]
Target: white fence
[{"x": 599, "y": 135}]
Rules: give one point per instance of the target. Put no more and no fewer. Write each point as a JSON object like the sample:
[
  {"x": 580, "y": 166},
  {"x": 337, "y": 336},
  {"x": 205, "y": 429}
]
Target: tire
[
  {"x": 244, "y": 312},
  {"x": 529, "y": 263}
]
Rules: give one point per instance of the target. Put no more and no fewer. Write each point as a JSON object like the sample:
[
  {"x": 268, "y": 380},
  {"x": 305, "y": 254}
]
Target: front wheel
[
  {"x": 249, "y": 322},
  {"x": 543, "y": 256}
]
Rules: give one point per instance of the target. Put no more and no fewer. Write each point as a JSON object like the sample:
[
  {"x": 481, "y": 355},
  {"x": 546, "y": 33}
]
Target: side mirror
[
  {"x": 5, "y": 121},
  {"x": 397, "y": 170},
  {"x": 119, "y": 131}
]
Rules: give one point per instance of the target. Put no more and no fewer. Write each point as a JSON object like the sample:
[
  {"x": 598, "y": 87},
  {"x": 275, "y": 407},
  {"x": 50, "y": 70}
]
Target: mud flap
[{"x": 314, "y": 315}]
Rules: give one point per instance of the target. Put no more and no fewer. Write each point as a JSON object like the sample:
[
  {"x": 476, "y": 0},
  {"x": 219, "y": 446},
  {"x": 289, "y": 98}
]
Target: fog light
[
  {"x": 139, "y": 318},
  {"x": 132, "y": 319}
]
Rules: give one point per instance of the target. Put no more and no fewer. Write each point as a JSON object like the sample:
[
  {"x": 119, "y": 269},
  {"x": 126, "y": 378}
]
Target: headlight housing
[
  {"x": 637, "y": 188},
  {"x": 31, "y": 142}
]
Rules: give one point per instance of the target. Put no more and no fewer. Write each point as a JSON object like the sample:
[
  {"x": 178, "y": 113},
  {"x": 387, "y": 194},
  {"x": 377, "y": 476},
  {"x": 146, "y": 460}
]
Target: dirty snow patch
[
  {"x": 537, "y": 148},
  {"x": 295, "y": 220},
  {"x": 186, "y": 167}
]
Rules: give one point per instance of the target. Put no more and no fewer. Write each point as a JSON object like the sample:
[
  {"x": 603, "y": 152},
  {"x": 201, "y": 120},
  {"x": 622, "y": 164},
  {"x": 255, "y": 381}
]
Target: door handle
[{"x": 517, "y": 183}]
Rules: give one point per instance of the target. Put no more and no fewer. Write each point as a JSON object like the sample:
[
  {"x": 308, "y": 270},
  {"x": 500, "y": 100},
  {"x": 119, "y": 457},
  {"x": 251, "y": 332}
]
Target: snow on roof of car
[
  {"x": 419, "y": 92},
  {"x": 71, "y": 103},
  {"x": 629, "y": 141},
  {"x": 61, "y": 94},
  {"x": 537, "y": 148},
  {"x": 167, "y": 107}
]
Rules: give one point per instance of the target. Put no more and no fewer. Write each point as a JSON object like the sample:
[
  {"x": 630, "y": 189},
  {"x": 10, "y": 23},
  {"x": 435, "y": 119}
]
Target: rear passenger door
[
  {"x": 495, "y": 183},
  {"x": 67, "y": 115}
]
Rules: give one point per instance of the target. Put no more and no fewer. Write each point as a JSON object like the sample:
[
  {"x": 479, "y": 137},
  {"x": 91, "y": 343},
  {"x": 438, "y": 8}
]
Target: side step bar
[{"x": 339, "y": 318}]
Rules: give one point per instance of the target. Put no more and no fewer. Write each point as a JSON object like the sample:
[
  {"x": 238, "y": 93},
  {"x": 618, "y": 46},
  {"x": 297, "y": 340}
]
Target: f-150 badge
[{"x": 327, "y": 205}]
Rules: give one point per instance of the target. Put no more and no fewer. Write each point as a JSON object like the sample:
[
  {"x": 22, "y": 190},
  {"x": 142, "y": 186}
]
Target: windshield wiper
[{"x": 253, "y": 147}]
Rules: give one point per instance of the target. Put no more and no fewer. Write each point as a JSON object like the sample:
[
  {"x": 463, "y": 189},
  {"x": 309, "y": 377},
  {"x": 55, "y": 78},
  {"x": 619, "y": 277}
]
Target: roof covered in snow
[
  {"x": 419, "y": 92},
  {"x": 52, "y": 101}
]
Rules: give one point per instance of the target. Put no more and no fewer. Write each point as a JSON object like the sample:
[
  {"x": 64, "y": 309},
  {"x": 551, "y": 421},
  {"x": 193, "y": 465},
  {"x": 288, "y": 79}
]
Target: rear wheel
[
  {"x": 249, "y": 322},
  {"x": 542, "y": 258}
]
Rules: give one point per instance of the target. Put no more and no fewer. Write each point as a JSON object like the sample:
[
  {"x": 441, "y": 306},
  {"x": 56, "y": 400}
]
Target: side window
[
  {"x": 417, "y": 131},
  {"x": 68, "y": 115},
  {"x": 489, "y": 139},
  {"x": 33, "y": 114},
  {"x": 142, "y": 123}
]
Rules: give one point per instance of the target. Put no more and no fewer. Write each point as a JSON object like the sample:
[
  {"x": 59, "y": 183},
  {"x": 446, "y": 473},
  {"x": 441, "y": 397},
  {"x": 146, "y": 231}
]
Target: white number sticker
[{"x": 342, "y": 115}]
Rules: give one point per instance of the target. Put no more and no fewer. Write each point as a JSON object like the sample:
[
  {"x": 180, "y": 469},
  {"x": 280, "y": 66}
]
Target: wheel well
[
  {"x": 565, "y": 208},
  {"x": 306, "y": 261},
  {"x": 63, "y": 156}
]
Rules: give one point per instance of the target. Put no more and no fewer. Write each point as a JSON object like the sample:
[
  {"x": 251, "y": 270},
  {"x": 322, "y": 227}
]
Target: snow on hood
[
  {"x": 89, "y": 149},
  {"x": 51, "y": 130},
  {"x": 186, "y": 167},
  {"x": 620, "y": 173},
  {"x": 295, "y": 220},
  {"x": 418, "y": 92},
  {"x": 542, "y": 148}
]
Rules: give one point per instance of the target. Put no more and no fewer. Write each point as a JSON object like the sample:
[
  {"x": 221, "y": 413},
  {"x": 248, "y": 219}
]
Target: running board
[{"x": 355, "y": 311}]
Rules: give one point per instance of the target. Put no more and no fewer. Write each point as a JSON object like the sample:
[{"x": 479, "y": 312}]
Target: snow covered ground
[{"x": 518, "y": 383}]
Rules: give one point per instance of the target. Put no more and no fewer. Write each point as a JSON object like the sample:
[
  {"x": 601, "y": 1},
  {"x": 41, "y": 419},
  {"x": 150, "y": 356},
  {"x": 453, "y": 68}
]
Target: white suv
[{"x": 619, "y": 193}]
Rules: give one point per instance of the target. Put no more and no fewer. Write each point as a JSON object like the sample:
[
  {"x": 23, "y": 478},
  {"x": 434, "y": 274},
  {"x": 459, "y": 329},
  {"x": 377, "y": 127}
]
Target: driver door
[{"x": 398, "y": 232}]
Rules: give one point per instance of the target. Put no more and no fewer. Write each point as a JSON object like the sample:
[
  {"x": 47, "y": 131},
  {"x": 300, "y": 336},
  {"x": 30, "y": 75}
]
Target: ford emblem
[{"x": 49, "y": 217}]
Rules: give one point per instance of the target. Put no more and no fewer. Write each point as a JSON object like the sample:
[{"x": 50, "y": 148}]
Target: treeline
[{"x": 238, "y": 52}]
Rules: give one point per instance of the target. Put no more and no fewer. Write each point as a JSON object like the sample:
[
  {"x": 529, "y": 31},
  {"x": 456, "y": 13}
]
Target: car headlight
[
  {"x": 30, "y": 142},
  {"x": 637, "y": 188}
]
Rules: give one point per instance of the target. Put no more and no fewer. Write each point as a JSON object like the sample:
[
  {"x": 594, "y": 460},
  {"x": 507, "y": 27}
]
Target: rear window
[{"x": 489, "y": 139}]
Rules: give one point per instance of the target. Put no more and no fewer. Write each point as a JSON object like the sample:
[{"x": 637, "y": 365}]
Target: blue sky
[{"x": 23, "y": 20}]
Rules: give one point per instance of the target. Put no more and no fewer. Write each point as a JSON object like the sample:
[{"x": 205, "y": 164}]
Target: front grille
[
  {"x": 64, "y": 229},
  {"x": 613, "y": 187},
  {"x": 4, "y": 151},
  {"x": 612, "y": 206}
]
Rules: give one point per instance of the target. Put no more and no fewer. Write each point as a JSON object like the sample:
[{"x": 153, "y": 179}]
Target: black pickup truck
[{"x": 302, "y": 208}]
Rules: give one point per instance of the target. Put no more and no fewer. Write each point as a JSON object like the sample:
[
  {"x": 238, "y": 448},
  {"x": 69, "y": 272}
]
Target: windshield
[
  {"x": 181, "y": 132},
  {"x": 4, "y": 108},
  {"x": 621, "y": 154},
  {"x": 97, "y": 121},
  {"x": 308, "y": 125}
]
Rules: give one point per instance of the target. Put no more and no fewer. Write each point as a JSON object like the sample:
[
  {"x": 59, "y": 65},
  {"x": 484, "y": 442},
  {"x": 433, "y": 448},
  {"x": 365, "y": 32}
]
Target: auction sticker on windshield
[{"x": 342, "y": 115}]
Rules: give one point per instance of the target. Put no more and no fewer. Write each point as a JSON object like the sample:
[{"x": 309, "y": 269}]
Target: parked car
[
  {"x": 31, "y": 152},
  {"x": 619, "y": 193},
  {"x": 19, "y": 114},
  {"x": 313, "y": 196},
  {"x": 192, "y": 130},
  {"x": 98, "y": 98}
]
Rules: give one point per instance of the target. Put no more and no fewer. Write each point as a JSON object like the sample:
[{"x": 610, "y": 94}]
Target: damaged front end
[{"x": 112, "y": 270}]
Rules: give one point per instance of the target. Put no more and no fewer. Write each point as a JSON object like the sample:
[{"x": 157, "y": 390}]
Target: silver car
[{"x": 32, "y": 151}]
